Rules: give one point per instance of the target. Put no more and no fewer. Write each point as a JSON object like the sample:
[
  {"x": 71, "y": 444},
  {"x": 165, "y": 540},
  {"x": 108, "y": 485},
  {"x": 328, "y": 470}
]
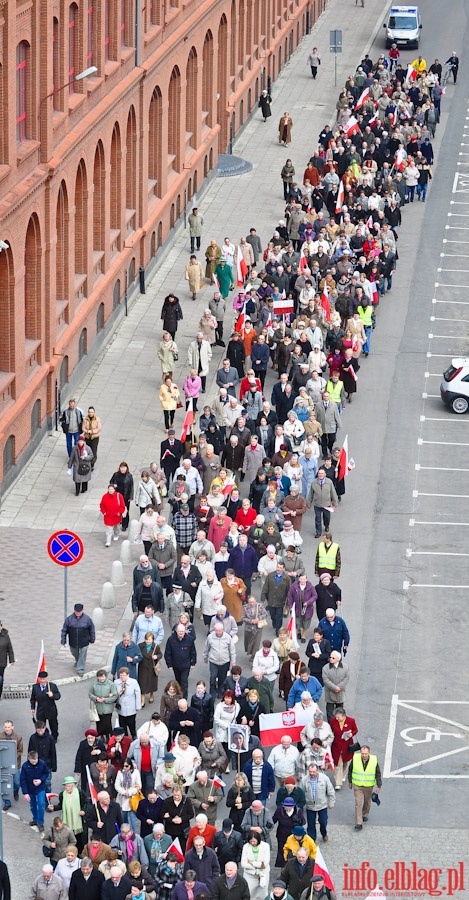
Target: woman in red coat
[
  {"x": 344, "y": 729},
  {"x": 113, "y": 508}
]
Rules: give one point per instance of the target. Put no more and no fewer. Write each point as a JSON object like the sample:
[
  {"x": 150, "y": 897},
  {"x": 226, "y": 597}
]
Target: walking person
[
  {"x": 196, "y": 221},
  {"x": 80, "y": 462},
  {"x": 264, "y": 105},
  {"x": 124, "y": 483},
  {"x": 7, "y": 656},
  {"x": 71, "y": 422},
  {"x": 128, "y": 701},
  {"x": 287, "y": 175},
  {"x": 320, "y": 797},
  {"x": 79, "y": 629},
  {"x": 33, "y": 778},
  {"x": 323, "y": 496},
  {"x": 285, "y": 126},
  {"x": 44, "y": 695},
  {"x": 194, "y": 274},
  {"x": 147, "y": 495},
  {"x": 167, "y": 354},
  {"x": 314, "y": 61},
  {"x": 92, "y": 430},
  {"x": 364, "y": 778},
  {"x": 112, "y": 506},
  {"x": 168, "y": 395},
  {"x": 199, "y": 354},
  {"x": 171, "y": 314}
]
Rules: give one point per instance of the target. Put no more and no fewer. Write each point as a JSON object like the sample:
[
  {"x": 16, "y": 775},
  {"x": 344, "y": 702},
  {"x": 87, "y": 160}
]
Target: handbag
[
  {"x": 48, "y": 851},
  {"x": 179, "y": 404},
  {"x": 157, "y": 667},
  {"x": 262, "y": 622},
  {"x": 84, "y": 467},
  {"x": 134, "y": 800},
  {"x": 163, "y": 491},
  {"x": 93, "y": 712}
]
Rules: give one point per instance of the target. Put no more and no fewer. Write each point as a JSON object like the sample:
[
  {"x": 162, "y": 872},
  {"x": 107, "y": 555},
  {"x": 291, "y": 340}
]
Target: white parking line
[
  {"x": 446, "y": 302},
  {"x": 420, "y": 441},
  {"x": 442, "y": 419},
  {"x": 416, "y": 494},
  {"x": 453, "y": 337},
  {"x": 410, "y": 553},
  {"x": 441, "y": 319},
  {"x": 447, "y": 241},
  {"x": 455, "y": 255},
  {"x": 452, "y": 270},
  {"x": 419, "y": 468},
  {"x": 413, "y": 522},
  {"x": 455, "y": 587}
]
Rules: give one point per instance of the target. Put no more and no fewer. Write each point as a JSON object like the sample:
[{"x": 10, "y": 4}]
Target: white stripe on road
[
  {"x": 441, "y": 419},
  {"x": 410, "y": 553},
  {"x": 419, "y": 468},
  {"x": 454, "y": 496},
  {"x": 420, "y": 441},
  {"x": 413, "y": 522}
]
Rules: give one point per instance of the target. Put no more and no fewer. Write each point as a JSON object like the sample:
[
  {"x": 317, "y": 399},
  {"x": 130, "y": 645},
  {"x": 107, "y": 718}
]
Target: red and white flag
[
  {"x": 303, "y": 262},
  {"x": 216, "y": 281},
  {"x": 320, "y": 868},
  {"x": 346, "y": 463},
  {"x": 91, "y": 787},
  {"x": 240, "y": 321},
  {"x": 329, "y": 762},
  {"x": 352, "y": 373},
  {"x": 374, "y": 118},
  {"x": 325, "y": 303},
  {"x": 399, "y": 159},
  {"x": 291, "y": 627},
  {"x": 374, "y": 293},
  {"x": 393, "y": 117},
  {"x": 362, "y": 99},
  {"x": 273, "y": 726},
  {"x": 411, "y": 75},
  {"x": 340, "y": 198},
  {"x": 351, "y": 126},
  {"x": 283, "y": 306},
  {"x": 188, "y": 419},
  {"x": 241, "y": 268},
  {"x": 41, "y": 666},
  {"x": 369, "y": 222},
  {"x": 228, "y": 486},
  {"x": 176, "y": 848},
  {"x": 218, "y": 782}
]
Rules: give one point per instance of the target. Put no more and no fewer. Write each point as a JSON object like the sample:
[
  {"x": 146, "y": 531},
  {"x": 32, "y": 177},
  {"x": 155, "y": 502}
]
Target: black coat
[
  {"x": 170, "y": 461},
  {"x": 109, "y": 892},
  {"x": 5, "y": 887},
  {"x": 109, "y": 819},
  {"x": 147, "y": 810},
  {"x": 44, "y": 745},
  {"x": 239, "y": 891},
  {"x": 124, "y": 483},
  {"x": 237, "y": 815},
  {"x": 285, "y": 825},
  {"x": 192, "y": 715},
  {"x": 316, "y": 665},
  {"x": 45, "y": 705},
  {"x": 295, "y": 880},
  {"x": 156, "y": 596},
  {"x": 236, "y": 354},
  {"x": 327, "y": 598},
  {"x": 6, "y": 649},
  {"x": 186, "y": 583},
  {"x": 86, "y": 890},
  {"x": 180, "y": 654},
  {"x": 228, "y": 847},
  {"x": 171, "y": 314},
  {"x": 184, "y": 811},
  {"x": 205, "y": 708}
]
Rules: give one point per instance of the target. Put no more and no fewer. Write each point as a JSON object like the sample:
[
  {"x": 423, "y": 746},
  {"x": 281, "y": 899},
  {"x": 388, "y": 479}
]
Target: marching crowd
[{"x": 222, "y": 521}]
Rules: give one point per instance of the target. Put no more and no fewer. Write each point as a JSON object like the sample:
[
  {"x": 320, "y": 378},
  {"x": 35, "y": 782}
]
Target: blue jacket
[
  {"x": 312, "y": 685},
  {"x": 30, "y": 773},
  {"x": 120, "y": 658},
  {"x": 267, "y": 782},
  {"x": 260, "y": 352},
  {"x": 180, "y": 654},
  {"x": 337, "y": 634},
  {"x": 244, "y": 564}
]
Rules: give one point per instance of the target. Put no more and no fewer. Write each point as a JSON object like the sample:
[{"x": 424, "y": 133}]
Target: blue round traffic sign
[{"x": 65, "y": 548}]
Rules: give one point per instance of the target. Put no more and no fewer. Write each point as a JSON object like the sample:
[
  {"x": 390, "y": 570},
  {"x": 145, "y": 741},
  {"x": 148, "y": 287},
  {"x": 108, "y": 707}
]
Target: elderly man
[
  {"x": 297, "y": 873},
  {"x": 204, "y": 796},
  {"x": 147, "y": 754},
  {"x": 335, "y": 676},
  {"x": 156, "y": 844},
  {"x": 284, "y": 760},
  {"x": 163, "y": 554},
  {"x": 220, "y": 653},
  {"x": 227, "y": 377},
  {"x": 79, "y": 629},
  {"x": 320, "y": 796},
  {"x": 335, "y": 631},
  {"x": 143, "y": 567},
  {"x": 110, "y": 815},
  {"x": 47, "y": 885},
  {"x": 180, "y": 655},
  {"x": 364, "y": 776},
  {"x": 86, "y": 883},
  {"x": 126, "y": 653},
  {"x": 260, "y": 775},
  {"x": 117, "y": 887},
  {"x": 305, "y": 682},
  {"x": 231, "y": 885},
  {"x": 187, "y": 720},
  {"x": 203, "y": 861},
  {"x": 274, "y": 594},
  {"x": 147, "y": 621}
]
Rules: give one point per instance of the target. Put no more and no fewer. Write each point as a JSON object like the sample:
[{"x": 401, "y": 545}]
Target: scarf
[
  {"x": 200, "y": 695},
  {"x": 129, "y": 847},
  {"x": 126, "y": 779},
  {"x": 237, "y": 689},
  {"x": 71, "y": 810},
  {"x": 155, "y": 850}
]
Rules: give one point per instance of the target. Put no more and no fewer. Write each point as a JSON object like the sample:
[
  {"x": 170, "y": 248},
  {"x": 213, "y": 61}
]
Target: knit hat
[
  {"x": 294, "y": 656},
  {"x": 78, "y": 607},
  {"x": 299, "y": 831},
  {"x": 324, "y": 575},
  {"x": 169, "y": 757},
  {"x": 91, "y": 731},
  {"x": 290, "y": 780},
  {"x": 317, "y": 878}
]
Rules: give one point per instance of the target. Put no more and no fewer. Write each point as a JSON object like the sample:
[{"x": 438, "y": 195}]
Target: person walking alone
[{"x": 314, "y": 61}]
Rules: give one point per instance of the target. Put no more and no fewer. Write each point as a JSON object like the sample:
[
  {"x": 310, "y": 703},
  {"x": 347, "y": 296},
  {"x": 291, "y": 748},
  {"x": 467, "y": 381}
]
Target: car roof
[{"x": 460, "y": 361}]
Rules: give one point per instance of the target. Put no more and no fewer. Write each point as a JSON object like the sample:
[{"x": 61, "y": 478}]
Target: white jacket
[
  {"x": 270, "y": 664},
  {"x": 252, "y": 868},
  {"x": 205, "y": 356},
  {"x": 222, "y": 719},
  {"x": 209, "y": 597}
]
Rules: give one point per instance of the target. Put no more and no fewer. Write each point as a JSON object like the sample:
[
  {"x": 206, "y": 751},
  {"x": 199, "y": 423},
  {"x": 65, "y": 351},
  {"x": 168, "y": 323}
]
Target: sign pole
[{"x": 65, "y": 591}]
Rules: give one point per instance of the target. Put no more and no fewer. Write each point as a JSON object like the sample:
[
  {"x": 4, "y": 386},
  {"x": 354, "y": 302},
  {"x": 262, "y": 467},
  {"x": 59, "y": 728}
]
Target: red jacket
[
  {"x": 339, "y": 745},
  {"x": 246, "y": 518},
  {"x": 112, "y": 507}
]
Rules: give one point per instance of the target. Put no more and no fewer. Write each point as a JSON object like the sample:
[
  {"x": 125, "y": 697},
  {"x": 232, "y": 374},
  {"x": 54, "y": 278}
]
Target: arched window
[
  {"x": 131, "y": 172},
  {"x": 116, "y": 189},
  {"x": 116, "y": 294},
  {"x": 205, "y": 166},
  {"x": 32, "y": 281},
  {"x": 83, "y": 344},
  {"x": 189, "y": 189},
  {"x": 132, "y": 271},
  {"x": 174, "y": 119},
  {"x": 155, "y": 122},
  {"x": 222, "y": 86},
  {"x": 81, "y": 219},
  {"x": 233, "y": 65},
  {"x": 73, "y": 45},
  {"x": 178, "y": 207},
  {"x": 195, "y": 182},
  {"x": 7, "y": 312},
  {"x": 23, "y": 75},
  {"x": 90, "y": 34},
  {"x": 241, "y": 34},
  {"x": 9, "y": 454},
  {"x": 171, "y": 216},
  {"x": 192, "y": 104},
  {"x": 35, "y": 418},
  {"x": 241, "y": 113},
  {"x": 207, "y": 78},
  {"x": 56, "y": 62},
  {"x": 160, "y": 234},
  {"x": 99, "y": 199},
  {"x": 100, "y": 318},
  {"x": 63, "y": 376},
  {"x": 62, "y": 251},
  {"x": 153, "y": 244}
]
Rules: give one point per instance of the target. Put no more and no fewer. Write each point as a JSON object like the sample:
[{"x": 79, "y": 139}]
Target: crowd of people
[{"x": 146, "y": 813}]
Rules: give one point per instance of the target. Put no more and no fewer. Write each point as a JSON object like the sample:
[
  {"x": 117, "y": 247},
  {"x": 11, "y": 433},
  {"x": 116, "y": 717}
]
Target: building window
[
  {"x": 72, "y": 45},
  {"x": 9, "y": 453},
  {"x": 63, "y": 375},
  {"x": 35, "y": 418},
  {"x": 116, "y": 294},
  {"x": 21, "y": 91},
  {"x": 127, "y": 35},
  {"x": 132, "y": 271},
  {"x": 89, "y": 55},
  {"x": 55, "y": 62},
  {"x": 83, "y": 344},
  {"x": 100, "y": 318},
  {"x": 107, "y": 30}
]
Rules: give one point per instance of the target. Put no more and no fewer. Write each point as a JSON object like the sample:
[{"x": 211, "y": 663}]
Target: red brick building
[{"x": 94, "y": 173}]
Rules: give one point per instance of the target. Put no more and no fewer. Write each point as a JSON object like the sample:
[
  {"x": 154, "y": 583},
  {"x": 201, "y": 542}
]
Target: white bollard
[
  {"x": 117, "y": 573},
  {"x": 98, "y": 616},
  {"x": 133, "y": 529},
  {"x": 126, "y": 553},
  {"x": 108, "y": 600}
]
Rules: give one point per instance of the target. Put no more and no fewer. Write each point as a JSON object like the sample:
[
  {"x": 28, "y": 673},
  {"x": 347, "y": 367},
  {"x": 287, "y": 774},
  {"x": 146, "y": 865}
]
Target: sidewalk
[{"x": 124, "y": 382}]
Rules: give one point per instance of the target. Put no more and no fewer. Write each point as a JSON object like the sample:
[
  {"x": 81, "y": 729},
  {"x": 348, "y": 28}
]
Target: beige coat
[
  {"x": 167, "y": 355},
  {"x": 207, "y": 326},
  {"x": 280, "y": 129},
  {"x": 168, "y": 398},
  {"x": 194, "y": 274}
]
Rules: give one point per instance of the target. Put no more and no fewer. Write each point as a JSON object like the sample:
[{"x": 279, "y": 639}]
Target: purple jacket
[
  {"x": 308, "y": 599},
  {"x": 244, "y": 564},
  {"x": 179, "y": 891},
  {"x": 191, "y": 386}
]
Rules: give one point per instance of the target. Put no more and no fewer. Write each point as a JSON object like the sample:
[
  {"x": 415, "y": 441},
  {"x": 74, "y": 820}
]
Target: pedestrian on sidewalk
[
  {"x": 71, "y": 422},
  {"x": 364, "y": 777},
  {"x": 314, "y": 61},
  {"x": 112, "y": 507},
  {"x": 80, "y": 462},
  {"x": 171, "y": 314},
  {"x": 7, "y": 655},
  {"x": 196, "y": 221},
  {"x": 217, "y": 307},
  {"x": 284, "y": 129},
  {"x": 92, "y": 431},
  {"x": 34, "y": 773},
  {"x": 124, "y": 483},
  {"x": 79, "y": 629},
  {"x": 212, "y": 256},
  {"x": 224, "y": 274},
  {"x": 287, "y": 175},
  {"x": 168, "y": 395},
  {"x": 9, "y": 734},
  {"x": 43, "y": 702},
  {"x": 194, "y": 274},
  {"x": 264, "y": 104},
  {"x": 167, "y": 354}
]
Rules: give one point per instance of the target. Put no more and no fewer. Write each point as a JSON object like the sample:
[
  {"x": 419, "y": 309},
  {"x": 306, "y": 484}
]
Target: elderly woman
[
  {"x": 68, "y": 865},
  {"x": 194, "y": 274},
  {"x": 212, "y": 754},
  {"x": 168, "y": 395},
  {"x": 167, "y": 354},
  {"x": 176, "y": 813},
  {"x": 79, "y": 463},
  {"x": 72, "y": 803},
  {"x": 294, "y": 428},
  {"x": 112, "y": 861},
  {"x": 226, "y": 714},
  {"x": 187, "y": 759},
  {"x": 58, "y": 838},
  {"x": 254, "y": 620},
  {"x": 128, "y": 783},
  {"x": 207, "y": 326},
  {"x": 239, "y": 799}
]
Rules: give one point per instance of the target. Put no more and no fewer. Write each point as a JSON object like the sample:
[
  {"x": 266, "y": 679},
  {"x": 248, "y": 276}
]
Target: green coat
[
  {"x": 103, "y": 690},
  {"x": 225, "y": 278}
]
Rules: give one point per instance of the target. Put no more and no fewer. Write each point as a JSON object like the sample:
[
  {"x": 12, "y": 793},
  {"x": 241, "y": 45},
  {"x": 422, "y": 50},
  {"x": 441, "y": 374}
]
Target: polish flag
[
  {"x": 176, "y": 848},
  {"x": 216, "y": 281},
  {"x": 284, "y": 306},
  {"x": 241, "y": 268},
  {"x": 273, "y": 726},
  {"x": 325, "y": 302},
  {"x": 239, "y": 325},
  {"x": 373, "y": 119},
  {"x": 399, "y": 159},
  {"x": 291, "y": 627},
  {"x": 41, "y": 665},
  {"x": 411, "y": 75},
  {"x": 228, "y": 486},
  {"x": 91, "y": 787},
  {"x": 49, "y": 797},
  {"x": 320, "y": 868},
  {"x": 352, "y": 373},
  {"x": 374, "y": 293},
  {"x": 218, "y": 782},
  {"x": 393, "y": 117},
  {"x": 406, "y": 113},
  {"x": 351, "y": 126},
  {"x": 369, "y": 223},
  {"x": 188, "y": 420},
  {"x": 340, "y": 198},
  {"x": 346, "y": 464},
  {"x": 303, "y": 262},
  {"x": 328, "y": 759},
  {"x": 362, "y": 99},
  {"x": 355, "y": 343}
]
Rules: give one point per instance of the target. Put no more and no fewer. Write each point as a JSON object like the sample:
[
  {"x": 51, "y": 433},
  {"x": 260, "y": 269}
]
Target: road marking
[
  {"x": 410, "y": 553},
  {"x": 442, "y": 443},
  {"x": 442, "y": 355},
  {"x": 443, "y": 284},
  {"x": 446, "y": 241},
  {"x": 452, "y": 587},
  {"x": 418, "y": 467},
  {"x": 425, "y": 494},
  {"x": 441, "y": 419},
  {"x": 446, "y": 302},
  {"x": 442, "y": 524},
  {"x": 432, "y": 733},
  {"x": 455, "y": 255},
  {"x": 452, "y": 270},
  {"x": 391, "y": 735},
  {"x": 449, "y": 337},
  {"x": 441, "y": 319}
]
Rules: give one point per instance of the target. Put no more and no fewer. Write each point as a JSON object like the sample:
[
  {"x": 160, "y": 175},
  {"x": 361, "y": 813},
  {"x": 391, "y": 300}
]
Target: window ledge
[
  {"x": 4, "y": 171},
  {"x": 110, "y": 67},
  {"x": 26, "y": 149}
]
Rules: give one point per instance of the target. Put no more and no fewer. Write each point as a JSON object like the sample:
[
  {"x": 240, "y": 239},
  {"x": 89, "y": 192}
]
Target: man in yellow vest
[
  {"x": 335, "y": 389},
  {"x": 364, "y": 776},
  {"x": 328, "y": 559},
  {"x": 365, "y": 311}
]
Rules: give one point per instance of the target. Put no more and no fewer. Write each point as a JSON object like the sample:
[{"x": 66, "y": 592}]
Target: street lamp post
[{"x": 81, "y": 75}]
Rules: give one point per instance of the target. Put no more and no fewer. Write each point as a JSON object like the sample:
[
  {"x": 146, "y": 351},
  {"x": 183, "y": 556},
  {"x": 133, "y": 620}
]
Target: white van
[{"x": 403, "y": 26}]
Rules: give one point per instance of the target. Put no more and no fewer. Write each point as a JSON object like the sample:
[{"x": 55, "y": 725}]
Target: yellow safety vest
[
  {"x": 335, "y": 390},
  {"x": 366, "y": 316},
  {"x": 364, "y": 777},
  {"x": 327, "y": 556}
]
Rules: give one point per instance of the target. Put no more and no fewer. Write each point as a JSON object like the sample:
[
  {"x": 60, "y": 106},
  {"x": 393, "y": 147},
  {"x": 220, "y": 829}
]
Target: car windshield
[
  {"x": 450, "y": 373},
  {"x": 403, "y": 23}
]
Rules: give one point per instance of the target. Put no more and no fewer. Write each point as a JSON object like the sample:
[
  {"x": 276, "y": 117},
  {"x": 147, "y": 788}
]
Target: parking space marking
[
  {"x": 449, "y": 587},
  {"x": 410, "y": 552},
  {"x": 430, "y": 734},
  {"x": 441, "y": 319},
  {"x": 413, "y": 522},
  {"x": 416, "y": 494},
  {"x": 420, "y": 441},
  {"x": 452, "y": 421},
  {"x": 418, "y": 468}
]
